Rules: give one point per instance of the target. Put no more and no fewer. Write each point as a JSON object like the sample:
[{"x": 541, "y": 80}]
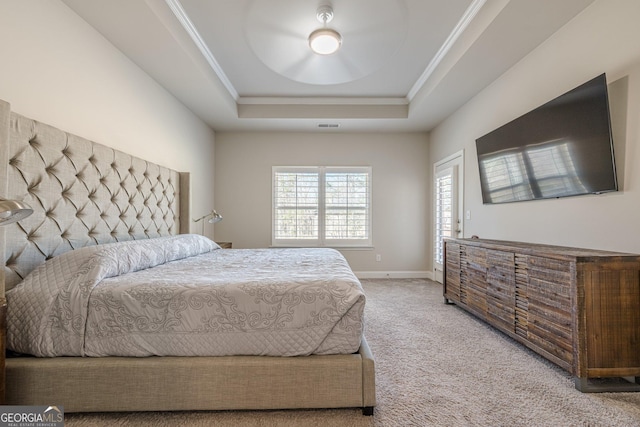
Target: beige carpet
[{"x": 435, "y": 366}]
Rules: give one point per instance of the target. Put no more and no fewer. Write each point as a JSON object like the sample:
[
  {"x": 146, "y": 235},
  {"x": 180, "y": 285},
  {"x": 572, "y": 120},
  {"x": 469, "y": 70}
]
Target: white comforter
[{"x": 183, "y": 296}]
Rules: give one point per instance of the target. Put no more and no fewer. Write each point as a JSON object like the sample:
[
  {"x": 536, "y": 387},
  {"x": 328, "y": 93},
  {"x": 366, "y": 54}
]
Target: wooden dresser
[{"x": 579, "y": 308}]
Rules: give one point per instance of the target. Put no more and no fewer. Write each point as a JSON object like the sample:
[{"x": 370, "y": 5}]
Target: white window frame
[{"x": 321, "y": 240}]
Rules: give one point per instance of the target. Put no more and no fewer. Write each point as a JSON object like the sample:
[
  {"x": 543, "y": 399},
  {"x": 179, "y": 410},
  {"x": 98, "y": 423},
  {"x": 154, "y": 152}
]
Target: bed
[{"x": 91, "y": 200}]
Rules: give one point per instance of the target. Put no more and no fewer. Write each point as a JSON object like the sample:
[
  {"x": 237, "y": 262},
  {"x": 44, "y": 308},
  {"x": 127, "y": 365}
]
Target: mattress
[{"x": 184, "y": 296}]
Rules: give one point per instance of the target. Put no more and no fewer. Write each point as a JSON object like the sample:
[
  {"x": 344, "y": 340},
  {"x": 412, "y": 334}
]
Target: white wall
[
  {"x": 603, "y": 38},
  {"x": 57, "y": 69},
  {"x": 401, "y": 187}
]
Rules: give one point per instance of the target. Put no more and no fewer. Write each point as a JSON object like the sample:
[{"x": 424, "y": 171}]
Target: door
[{"x": 448, "y": 191}]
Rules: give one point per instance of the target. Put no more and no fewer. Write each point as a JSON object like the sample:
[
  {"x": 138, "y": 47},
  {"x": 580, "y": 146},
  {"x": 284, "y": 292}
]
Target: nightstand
[{"x": 224, "y": 245}]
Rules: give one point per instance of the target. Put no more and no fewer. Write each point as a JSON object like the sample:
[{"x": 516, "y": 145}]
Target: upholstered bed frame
[{"x": 85, "y": 193}]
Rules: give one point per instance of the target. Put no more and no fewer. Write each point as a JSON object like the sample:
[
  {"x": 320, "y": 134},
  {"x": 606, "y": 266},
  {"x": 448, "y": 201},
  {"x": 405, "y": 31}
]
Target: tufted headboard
[{"x": 82, "y": 194}]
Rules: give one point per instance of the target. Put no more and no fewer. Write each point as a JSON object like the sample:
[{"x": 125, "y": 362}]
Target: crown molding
[
  {"x": 395, "y": 107},
  {"x": 283, "y": 100},
  {"x": 462, "y": 25},
  {"x": 183, "y": 18}
]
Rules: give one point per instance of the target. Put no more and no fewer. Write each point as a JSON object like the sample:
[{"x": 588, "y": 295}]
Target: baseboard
[{"x": 394, "y": 274}]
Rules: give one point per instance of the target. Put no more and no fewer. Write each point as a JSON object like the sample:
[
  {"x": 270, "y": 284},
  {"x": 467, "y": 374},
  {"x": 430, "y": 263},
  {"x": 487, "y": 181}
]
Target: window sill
[{"x": 339, "y": 248}]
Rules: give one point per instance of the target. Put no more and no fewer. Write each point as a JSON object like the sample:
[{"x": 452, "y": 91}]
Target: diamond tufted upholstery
[{"x": 82, "y": 193}]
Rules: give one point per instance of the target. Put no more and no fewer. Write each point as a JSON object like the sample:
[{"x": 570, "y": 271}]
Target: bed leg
[{"x": 367, "y": 410}]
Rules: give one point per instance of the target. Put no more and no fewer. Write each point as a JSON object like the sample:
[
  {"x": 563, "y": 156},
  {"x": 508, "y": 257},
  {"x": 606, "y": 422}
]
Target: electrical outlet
[{"x": 378, "y": 257}]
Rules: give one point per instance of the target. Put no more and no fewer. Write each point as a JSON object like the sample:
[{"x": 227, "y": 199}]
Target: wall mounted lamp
[
  {"x": 213, "y": 218},
  {"x": 12, "y": 211}
]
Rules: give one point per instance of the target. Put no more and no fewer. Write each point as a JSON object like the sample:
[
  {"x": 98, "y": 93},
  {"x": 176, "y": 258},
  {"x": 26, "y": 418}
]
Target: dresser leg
[
  {"x": 586, "y": 386},
  {"x": 581, "y": 384}
]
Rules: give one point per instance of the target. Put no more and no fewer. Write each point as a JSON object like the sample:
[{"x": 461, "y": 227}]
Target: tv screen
[{"x": 562, "y": 148}]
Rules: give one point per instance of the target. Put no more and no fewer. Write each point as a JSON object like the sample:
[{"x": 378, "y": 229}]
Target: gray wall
[
  {"x": 603, "y": 38},
  {"x": 401, "y": 188},
  {"x": 57, "y": 69}
]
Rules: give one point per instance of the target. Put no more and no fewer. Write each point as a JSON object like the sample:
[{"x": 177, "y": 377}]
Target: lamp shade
[
  {"x": 325, "y": 41},
  {"x": 215, "y": 217},
  {"x": 12, "y": 211}
]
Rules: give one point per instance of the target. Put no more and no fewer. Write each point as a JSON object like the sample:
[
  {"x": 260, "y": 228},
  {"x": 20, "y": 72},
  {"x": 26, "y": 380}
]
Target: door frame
[{"x": 455, "y": 160}]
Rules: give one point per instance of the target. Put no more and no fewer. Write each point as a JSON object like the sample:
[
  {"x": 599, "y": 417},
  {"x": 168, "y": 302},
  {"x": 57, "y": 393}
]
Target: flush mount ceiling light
[
  {"x": 277, "y": 32},
  {"x": 325, "y": 41}
]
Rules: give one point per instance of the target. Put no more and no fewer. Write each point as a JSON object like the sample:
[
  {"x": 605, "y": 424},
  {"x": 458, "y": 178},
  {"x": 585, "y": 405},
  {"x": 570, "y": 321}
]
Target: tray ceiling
[{"x": 404, "y": 65}]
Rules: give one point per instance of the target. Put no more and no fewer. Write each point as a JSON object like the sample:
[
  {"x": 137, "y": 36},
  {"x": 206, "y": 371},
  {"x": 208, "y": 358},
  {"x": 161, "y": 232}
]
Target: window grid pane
[
  {"x": 347, "y": 201},
  {"x": 444, "y": 217},
  {"x": 321, "y": 206},
  {"x": 296, "y": 205}
]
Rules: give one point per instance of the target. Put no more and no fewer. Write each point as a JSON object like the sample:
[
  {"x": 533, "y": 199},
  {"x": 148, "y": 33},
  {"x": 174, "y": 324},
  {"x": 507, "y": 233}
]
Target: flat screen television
[{"x": 562, "y": 148}]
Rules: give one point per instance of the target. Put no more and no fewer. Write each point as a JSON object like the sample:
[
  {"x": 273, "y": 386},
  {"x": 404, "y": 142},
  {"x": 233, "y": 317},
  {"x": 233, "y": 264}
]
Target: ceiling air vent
[{"x": 329, "y": 125}]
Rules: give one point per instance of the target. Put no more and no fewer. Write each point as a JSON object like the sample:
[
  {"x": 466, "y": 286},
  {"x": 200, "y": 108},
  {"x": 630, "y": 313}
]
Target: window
[{"x": 321, "y": 206}]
